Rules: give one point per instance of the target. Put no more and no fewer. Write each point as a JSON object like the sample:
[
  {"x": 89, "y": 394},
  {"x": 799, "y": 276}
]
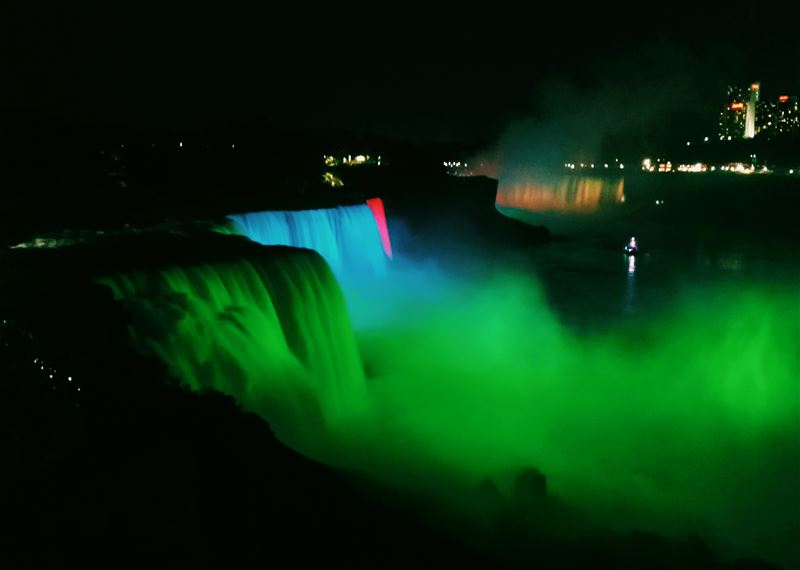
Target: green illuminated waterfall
[{"x": 272, "y": 331}]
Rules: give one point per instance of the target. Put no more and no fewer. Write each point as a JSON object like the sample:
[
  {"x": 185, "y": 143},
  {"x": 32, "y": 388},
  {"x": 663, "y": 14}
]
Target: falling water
[
  {"x": 575, "y": 194},
  {"x": 348, "y": 237},
  {"x": 272, "y": 331}
]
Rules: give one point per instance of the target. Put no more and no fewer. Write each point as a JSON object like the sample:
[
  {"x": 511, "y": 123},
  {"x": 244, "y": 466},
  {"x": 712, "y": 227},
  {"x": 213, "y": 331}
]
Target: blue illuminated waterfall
[{"x": 347, "y": 236}]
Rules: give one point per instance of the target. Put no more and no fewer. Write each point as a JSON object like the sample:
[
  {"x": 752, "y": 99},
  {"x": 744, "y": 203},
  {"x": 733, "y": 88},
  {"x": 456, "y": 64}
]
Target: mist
[
  {"x": 614, "y": 107},
  {"x": 635, "y": 428}
]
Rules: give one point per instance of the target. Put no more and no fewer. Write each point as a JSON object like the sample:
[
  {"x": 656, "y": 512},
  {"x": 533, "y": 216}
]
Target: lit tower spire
[{"x": 750, "y": 118}]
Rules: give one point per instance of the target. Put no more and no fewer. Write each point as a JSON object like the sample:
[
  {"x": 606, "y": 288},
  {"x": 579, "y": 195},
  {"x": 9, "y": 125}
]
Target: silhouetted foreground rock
[{"x": 134, "y": 470}]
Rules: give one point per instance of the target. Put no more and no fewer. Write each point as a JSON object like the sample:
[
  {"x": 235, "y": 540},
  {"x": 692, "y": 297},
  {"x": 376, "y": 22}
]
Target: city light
[
  {"x": 332, "y": 180},
  {"x": 697, "y": 167},
  {"x": 747, "y": 115},
  {"x": 739, "y": 168}
]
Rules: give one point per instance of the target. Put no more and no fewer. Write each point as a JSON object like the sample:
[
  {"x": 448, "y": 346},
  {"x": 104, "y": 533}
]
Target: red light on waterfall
[
  {"x": 376, "y": 205},
  {"x": 737, "y": 106},
  {"x": 783, "y": 98}
]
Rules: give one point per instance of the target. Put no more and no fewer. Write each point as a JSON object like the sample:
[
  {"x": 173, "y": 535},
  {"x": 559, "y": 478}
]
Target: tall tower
[{"x": 750, "y": 119}]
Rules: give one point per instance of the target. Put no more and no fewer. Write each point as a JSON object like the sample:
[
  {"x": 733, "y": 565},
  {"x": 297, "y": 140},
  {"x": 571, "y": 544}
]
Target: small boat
[{"x": 632, "y": 247}]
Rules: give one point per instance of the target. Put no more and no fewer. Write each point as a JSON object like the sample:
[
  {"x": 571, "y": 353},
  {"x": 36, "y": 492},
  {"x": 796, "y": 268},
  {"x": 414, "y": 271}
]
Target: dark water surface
[{"x": 696, "y": 232}]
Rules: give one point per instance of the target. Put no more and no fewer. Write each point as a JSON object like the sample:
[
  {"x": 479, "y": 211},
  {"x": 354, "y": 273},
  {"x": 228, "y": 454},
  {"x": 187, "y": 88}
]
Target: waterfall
[
  {"x": 573, "y": 194},
  {"x": 352, "y": 239},
  {"x": 272, "y": 330}
]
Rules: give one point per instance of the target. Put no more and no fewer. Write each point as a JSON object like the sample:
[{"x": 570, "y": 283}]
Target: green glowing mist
[{"x": 687, "y": 424}]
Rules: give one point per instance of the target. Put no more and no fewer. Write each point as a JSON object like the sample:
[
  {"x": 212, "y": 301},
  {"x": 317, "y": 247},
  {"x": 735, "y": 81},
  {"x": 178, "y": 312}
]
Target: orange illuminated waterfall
[{"x": 570, "y": 194}]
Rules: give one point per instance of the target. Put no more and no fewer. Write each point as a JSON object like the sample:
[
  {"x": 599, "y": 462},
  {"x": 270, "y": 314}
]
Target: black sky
[{"x": 401, "y": 70}]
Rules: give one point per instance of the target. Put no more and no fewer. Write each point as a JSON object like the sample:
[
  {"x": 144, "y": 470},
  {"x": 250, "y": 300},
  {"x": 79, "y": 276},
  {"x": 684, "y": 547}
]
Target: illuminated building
[
  {"x": 747, "y": 114},
  {"x": 765, "y": 117},
  {"x": 457, "y": 168},
  {"x": 750, "y": 118},
  {"x": 697, "y": 167},
  {"x": 351, "y": 160},
  {"x": 788, "y": 115},
  {"x": 732, "y": 117},
  {"x": 782, "y": 116}
]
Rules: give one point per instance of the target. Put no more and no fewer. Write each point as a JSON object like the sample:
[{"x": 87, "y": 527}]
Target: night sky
[{"x": 403, "y": 71}]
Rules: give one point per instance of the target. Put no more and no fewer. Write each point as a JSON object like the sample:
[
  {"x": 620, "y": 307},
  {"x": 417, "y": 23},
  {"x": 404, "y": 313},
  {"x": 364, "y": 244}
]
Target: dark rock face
[{"x": 530, "y": 486}]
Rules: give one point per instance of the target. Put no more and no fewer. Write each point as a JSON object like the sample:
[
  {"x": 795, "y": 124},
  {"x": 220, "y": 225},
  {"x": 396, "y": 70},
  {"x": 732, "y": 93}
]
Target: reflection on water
[
  {"x": 725, "y": 261},
  {"x": 702, "y": 234},
  {"x": 631, "y": 266},
  {"x": 573, "y": 194},
  {"x": 630, "y": 286}
]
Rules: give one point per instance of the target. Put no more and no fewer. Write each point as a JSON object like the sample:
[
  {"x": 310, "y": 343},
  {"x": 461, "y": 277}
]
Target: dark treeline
[{"x": 56, "y": 174}]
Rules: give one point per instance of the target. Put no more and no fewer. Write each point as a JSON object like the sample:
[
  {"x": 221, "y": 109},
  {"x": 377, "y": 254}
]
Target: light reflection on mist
[{"x": 485, "y": 378}]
